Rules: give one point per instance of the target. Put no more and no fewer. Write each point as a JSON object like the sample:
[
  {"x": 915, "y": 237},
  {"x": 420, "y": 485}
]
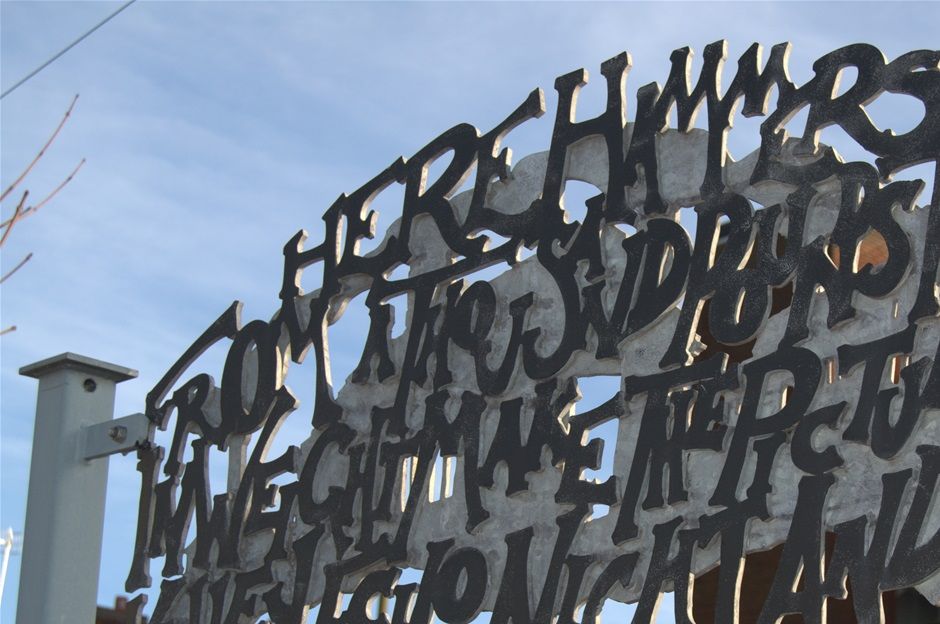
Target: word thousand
[{"x": 775, "y": 364}]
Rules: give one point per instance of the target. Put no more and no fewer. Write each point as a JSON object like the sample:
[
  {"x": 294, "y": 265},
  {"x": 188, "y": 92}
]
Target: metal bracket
[{"x": 120, "y": 435}]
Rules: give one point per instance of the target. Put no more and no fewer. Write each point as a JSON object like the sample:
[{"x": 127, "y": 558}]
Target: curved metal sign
[{"x": 777, "y": 373}]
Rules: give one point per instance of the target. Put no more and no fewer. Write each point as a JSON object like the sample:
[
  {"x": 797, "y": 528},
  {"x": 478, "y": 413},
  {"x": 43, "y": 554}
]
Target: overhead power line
[{"x": 67, "y": 48}]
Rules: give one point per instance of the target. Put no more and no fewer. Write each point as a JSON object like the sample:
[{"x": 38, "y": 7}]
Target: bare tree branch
[
  {"x": 17, "y": 267},
  {"x": 41, "y": 152},
  {"x": 34, "y": 208},
  {"x": 31, "y": 209},
  {"x": 17, "y": 215}
]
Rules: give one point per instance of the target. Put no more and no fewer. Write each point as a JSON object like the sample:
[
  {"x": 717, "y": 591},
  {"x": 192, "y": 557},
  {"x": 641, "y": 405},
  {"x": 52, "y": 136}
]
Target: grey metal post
[{"x": 65, "y": 506}]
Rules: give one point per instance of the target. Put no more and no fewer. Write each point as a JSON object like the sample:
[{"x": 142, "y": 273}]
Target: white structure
[{"x": 65, "y": 508}]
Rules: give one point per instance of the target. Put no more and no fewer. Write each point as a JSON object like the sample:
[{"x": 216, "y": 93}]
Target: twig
[
  {"x": 11, "y": 328},
  {"x": 36, "y": 207},
  {"x": 42, "y": 151},
  {"x": 17, "y": 267},
  {"x": 31, "y": 209},
  {"x": 17, "y": 215}
]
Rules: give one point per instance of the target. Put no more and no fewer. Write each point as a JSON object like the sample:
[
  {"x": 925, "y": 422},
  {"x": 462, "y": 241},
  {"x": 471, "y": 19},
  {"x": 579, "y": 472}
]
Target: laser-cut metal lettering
[{"x": 777, "y": 363}]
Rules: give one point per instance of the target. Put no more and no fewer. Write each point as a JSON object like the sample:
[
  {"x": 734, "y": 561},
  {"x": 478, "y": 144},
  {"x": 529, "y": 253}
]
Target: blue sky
[{"x": 213, "y": 131}]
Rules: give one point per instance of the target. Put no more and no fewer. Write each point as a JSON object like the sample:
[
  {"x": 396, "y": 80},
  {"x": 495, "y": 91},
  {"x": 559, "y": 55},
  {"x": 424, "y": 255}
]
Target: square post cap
[{"x": 74, "y": 361}]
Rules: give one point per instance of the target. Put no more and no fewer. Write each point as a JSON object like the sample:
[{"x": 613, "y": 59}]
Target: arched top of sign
[{"x": 774, "y": 367}]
